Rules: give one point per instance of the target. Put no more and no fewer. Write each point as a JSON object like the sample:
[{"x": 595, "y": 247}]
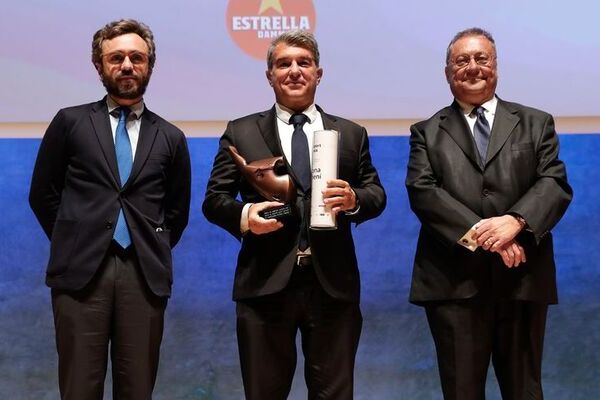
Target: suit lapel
[
  {"x": 267, "y": 125},
  {"x": 329, "y": 122},
  {"x": 101, "y": 125},
  {"x": 454, "y": 124},
  {"x": 148, "y": 131},
  {"x": 505, "y": 121}
]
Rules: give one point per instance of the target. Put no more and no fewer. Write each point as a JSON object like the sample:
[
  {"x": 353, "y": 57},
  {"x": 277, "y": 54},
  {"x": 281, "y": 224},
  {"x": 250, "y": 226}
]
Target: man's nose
[
  {"x": 126, "y": 64},
  {"x": 472, "y": 66},
  {"x": 295, "y": 68}
]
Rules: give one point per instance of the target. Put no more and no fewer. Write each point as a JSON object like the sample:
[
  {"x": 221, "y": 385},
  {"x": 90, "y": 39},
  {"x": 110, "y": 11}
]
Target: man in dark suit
[
  {"x": 486, "y": 183},
  {"x": 111, "y": 189},
  {"x": 281, "y": 285}
]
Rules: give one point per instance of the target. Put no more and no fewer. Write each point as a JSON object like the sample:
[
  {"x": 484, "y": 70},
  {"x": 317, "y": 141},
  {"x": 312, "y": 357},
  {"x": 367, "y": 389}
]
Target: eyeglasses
[
  {"x": 118, "y": 58},
  {"x": 481, "y": 59}
]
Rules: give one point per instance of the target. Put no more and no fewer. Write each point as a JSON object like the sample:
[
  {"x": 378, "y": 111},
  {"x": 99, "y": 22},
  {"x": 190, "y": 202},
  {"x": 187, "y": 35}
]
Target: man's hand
[
  {"x": 512, "y": 254},
  {"x": 339, "y": 196},
  {"x": 494, "y": 233},
  {"x": 259, "y": 225}
]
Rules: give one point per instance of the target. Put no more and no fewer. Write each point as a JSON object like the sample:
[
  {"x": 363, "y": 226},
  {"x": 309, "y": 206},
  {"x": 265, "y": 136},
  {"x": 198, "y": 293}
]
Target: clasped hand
[{"x": 497, "y": 234}]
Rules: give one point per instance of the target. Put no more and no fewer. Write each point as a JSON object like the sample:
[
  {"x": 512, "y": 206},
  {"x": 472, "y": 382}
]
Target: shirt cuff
[
  {"x": 244, "y": 227},
  {"x": 467, "y": 240},
  {"x": 353, "y": 212}
]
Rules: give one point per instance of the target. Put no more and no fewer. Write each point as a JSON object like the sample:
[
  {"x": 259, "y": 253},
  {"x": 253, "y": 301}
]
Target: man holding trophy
[{"x": 297, "y": 267}]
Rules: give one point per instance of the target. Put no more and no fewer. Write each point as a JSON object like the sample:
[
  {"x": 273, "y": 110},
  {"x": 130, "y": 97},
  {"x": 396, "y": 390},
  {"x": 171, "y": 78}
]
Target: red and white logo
[{"x": 252, "y": 24}]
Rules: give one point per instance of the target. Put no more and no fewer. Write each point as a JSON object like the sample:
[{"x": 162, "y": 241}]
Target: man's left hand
[
  {"x": 339, "y": 196},
  {"x": 493, "y": 233}
]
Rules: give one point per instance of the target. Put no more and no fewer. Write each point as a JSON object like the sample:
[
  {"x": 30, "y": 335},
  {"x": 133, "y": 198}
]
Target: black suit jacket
[
  {"x": 265, "y": 262},
  {"x": 76, "y": 195},
  {"x": 450, "y": 191}
]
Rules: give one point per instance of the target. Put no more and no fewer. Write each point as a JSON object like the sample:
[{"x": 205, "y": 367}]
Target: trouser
[
  {"x": 115, "y": 308},
  {"x": 267, "y": 327},
  {"x": 467, "y": 333}
]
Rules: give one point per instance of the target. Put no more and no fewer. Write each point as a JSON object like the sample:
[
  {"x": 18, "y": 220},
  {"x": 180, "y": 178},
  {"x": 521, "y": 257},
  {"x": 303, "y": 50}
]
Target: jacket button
[
  {"x": 486, "y": 193},
  {"x": 108, "y": 225}
]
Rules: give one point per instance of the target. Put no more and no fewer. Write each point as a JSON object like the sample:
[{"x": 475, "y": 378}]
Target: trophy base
[{"x": 278, "y": 213}]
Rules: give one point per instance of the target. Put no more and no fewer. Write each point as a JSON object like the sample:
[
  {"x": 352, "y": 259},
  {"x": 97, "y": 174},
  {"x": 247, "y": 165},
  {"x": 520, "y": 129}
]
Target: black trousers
[
  {"x": 115, "y": 308},
  {"x": 468, "y": 333},
  {"x": 266, "y": 331}
]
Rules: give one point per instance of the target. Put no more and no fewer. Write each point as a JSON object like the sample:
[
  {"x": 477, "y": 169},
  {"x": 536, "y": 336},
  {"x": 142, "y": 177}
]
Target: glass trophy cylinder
[{"x": 324, "y": 168}]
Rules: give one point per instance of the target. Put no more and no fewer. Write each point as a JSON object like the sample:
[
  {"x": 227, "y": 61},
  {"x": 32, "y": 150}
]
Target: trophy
[
  {"x": 270, "y": 178},
  {"x": 324, "y": 168}
]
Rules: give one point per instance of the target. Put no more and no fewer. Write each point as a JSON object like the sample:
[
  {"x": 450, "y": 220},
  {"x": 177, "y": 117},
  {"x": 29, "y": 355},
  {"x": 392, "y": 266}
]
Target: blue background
[{"x": 396, "y": 358}]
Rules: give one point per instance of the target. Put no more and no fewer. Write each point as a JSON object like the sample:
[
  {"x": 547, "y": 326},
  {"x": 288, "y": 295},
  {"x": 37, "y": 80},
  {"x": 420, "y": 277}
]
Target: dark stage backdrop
[{"x": 396, "y": 356}]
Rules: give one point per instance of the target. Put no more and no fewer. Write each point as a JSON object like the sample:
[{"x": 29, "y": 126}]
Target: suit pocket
[
  {"x": 64, "y": 239},
  {"x": 527, "y": 146},
  {"x": 163, "y": 157}
]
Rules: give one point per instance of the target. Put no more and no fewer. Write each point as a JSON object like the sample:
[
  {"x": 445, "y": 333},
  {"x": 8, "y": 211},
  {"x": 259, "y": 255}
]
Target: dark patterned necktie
[
  {"x": 481, "y": 132},
  {"x": 300, "y": 155},
  {"x": 301, "y": 166},
  {"x": 124, "y": 161}
]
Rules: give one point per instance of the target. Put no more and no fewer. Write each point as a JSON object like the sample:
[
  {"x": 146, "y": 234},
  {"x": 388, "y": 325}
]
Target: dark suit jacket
[
  {"x": 449, "y": 192},
  {"x": 265, "y": 262},
  {"x": 76, "y": 195}
]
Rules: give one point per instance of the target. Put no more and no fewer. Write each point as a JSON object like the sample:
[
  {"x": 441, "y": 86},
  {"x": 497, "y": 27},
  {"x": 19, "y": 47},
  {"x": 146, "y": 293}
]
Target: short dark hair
[
  {"x": 469, "y": 32},
  {"x": 297, "y": 38},
  {"x": 123, "y": 27}
]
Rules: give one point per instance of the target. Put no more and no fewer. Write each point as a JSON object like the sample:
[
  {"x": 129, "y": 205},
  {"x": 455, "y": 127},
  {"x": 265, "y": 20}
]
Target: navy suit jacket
[{"x": 76, "y": 195}]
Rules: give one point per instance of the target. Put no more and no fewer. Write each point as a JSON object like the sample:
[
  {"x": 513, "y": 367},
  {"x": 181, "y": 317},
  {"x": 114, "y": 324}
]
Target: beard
[{"x": 125, "y": 89}]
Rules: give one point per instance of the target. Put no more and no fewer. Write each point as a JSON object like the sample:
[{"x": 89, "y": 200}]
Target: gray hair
[
  {"x": 296, "y": 38},
  {"x": 469, "y": 32},
  {"x": 123, "y": 27}
]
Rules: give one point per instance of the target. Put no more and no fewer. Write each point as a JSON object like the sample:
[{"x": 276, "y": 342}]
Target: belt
[{"x": 304, "y": 261}]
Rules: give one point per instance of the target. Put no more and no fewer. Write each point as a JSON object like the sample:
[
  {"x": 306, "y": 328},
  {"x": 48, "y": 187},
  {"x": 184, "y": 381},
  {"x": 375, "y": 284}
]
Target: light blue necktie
[
  {"x": 124, "y": 160},
  {"x": 481, "y": 132}
]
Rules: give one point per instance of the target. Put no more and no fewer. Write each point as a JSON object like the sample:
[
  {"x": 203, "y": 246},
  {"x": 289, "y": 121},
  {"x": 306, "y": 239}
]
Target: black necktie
[
  {"x": 300, "y": 155},
  {"x": 301, "y": 166},
  {"x": 481, "y": 132}
]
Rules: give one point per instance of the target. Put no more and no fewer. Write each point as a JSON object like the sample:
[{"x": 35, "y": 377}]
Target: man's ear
[
  {"x": 448, "y": 73},
  {"x": 268, "y": 75}
]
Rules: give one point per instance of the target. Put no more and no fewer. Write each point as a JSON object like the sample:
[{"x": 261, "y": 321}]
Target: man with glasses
[
  {"x": 111, "y": 189},
  {"x": 486, "y": 183}
]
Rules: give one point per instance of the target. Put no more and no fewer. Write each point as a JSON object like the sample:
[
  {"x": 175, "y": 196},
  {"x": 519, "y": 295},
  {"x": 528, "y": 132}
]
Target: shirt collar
[
  {"x": 136, "y": 109},
  {"x": 489, "y": 106},
  {"x": 284, "y": 113}
]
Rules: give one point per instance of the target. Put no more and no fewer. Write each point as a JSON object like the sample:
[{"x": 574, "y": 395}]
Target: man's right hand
[
  {"x": 512, "y": 254},
  {"x": 259, "y": 225}
]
